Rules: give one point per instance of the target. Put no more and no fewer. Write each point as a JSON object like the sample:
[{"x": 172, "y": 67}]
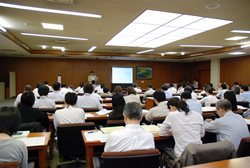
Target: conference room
[{"x": 176, "y": 40}]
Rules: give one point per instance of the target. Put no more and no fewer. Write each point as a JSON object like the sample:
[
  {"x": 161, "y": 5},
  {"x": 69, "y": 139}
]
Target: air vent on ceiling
[
  {"x": 8, "y": 50},
  {"x": 62, "y": 41},
  {"x": 62, "y": 1}
]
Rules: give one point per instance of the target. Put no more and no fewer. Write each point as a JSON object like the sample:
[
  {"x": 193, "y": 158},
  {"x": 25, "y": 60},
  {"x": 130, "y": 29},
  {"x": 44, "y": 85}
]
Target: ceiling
[{"x": 115, "y": 16}]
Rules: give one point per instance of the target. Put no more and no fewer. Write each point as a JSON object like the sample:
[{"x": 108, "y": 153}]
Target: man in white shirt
[
  {"x": 161, "y": 109},
  {"x": 132, "y": 137},
  {"x": 223, "y": 89},
  {"x": 172, "y": 89},
  {"x": 66, "y": 90},
  {"x": 193, "y": 105},
  {"x": 190, "y": 89},
  {"x": 27, "y": 88},
  {"x": 44, "y": 101},
  {"x": 210, "y": 98},
  {"x": 236, "y": 90},
  {"x": 181, "y": 88},
  {"x": 79, "y": 89},
  {"x": 229, "y": 126},
  {"x": 136, "y": 88},
  {"x": 88, "y": 101},
  {"x": 98, "y": 88},
  {"x": 46, "y": 83},
  {"x": 149, "y": 91},
  {"x": 69, "y": 114},
  {"x": 35, "y": 91},
  {"x": 56, "y": 95}
]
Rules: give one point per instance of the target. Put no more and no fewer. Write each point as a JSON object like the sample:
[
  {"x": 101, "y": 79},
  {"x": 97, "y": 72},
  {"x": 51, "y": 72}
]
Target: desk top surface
[{"x": 40, "y": 134}]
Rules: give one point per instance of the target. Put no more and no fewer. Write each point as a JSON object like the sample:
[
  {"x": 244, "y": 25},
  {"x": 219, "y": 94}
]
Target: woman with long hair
[{"x": 118, "y": 104}]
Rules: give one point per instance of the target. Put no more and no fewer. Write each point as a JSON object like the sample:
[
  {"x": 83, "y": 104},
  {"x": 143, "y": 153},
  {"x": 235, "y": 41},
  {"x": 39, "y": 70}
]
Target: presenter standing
[{"x": 92, "y": 77}]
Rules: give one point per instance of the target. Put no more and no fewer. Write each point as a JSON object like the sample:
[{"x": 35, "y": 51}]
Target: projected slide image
[
  {"x": 144, "y": 72},
  {"x": 122, "y": 75}
]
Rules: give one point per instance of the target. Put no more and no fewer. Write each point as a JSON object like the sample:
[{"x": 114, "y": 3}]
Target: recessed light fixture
[
  {"x": 213, "y": 6},
  {"x": 49, "y": 10},
  {"x": 52, "y": 26},
  {"x": 240, "y": 31},
  {"x": 196, "y": 54},
  {"x": 60, "y": 48},
  {"x": 145, "y": 51},
  {"x": 237, "y": 53},
  {"x": 44, "y": 46},
  {"x": 44, "y": 35},
  {"x": 245, "y": 46},
  {"x": 237, "y": 38},
  {"x": 92, "y": 48},
  {"x": 162, "y": 54},
  {"x": 156, "y": 28},
  {"x": 170, "y": 52},
  {"x": 182, "y": 53},
  {"x": 3, "y": 29},
  {"x": 209, "y": 46}
]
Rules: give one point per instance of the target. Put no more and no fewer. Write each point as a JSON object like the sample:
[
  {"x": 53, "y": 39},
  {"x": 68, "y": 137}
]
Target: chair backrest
[
  {"x": 10, "y": 165},
  {"x": 213, "y": 104},
  {"x": 131, "y": 159},
  {"x": 32, "y": 127},
  {"x": 47, "y": 110},
  {"x": 80, "y": 94},
  {"x": 59, "y": 102},
  {"x": 90, "y": 109},
  {"x": 157, "y": 120},
  {"x": 244, "y": 147},
  {"x": 70, "y": 141},
  {"x": 111, "y": 123},
  {"x": 208, "y": 115},
  {"x": 243, "y": 103}
]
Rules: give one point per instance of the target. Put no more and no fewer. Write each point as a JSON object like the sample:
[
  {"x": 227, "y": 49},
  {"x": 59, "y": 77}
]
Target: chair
[
  {"x": 10, "y": 165},
  {"x": 59, "y": 102},
  {"x": 90, "y": 109},
  {"x": 47, "y": 110},
  {"x": 32, "y": 127},
  {"x": 243, "y": 103},
  {"x": 111, "y": 123},
  {"x": 70, "y": 141},
  {"x": 244, "y": 147},
  {"x": 157, "y": 120},
  {"x": 131, "y": 159},
  {"x": 213, "y": 104}
]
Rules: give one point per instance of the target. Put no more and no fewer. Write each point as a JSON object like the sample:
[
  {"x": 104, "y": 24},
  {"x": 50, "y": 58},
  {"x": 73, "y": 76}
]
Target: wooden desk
[
  {"x": 109, "y": 106},
  {"x": 42, "y": 150},
  {"x": 243, "y": 162},
  {"x": 89, "y": 145},
  {"x": 149, "y": 103}
]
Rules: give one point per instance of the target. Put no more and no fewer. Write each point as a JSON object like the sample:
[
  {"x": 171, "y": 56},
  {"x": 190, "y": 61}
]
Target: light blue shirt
[
  {"x": 194, "y": 105},
  {"x": 231, "y": 127},
  {"x": 150, "y": 91},
  {"x": 246, "y": 95},
  {"x": 168, "y": 94}
]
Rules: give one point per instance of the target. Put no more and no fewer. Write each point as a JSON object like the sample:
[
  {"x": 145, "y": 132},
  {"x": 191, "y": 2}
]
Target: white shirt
[
  {"x": 132, "y": 137},
  {"x": 97, "y": 96},
  {"x": 208, "y": 100},
  {"x": 157, "y": 111},
  {"x": 79, "y": 90},
  {"x": 44, "y": 102},
  {"x": 65, "y": 91},
  {"x": 56, "y": 96},
  {"x": 194, "y": 105},
  {"x": 35, "y": 91},
  {"x": 240, "y": 98},
  {"x": 186, "y": 129},
  {"x": 99, "y": 89},
  {"x": 137, "y": 89},
  {"x": 221, "y": 93},
  {"x": 18, "y": 99},
  {"x": 194, "y": 96},
  {"x": 132, "y": 98},
  {"x": 50, "y": 88},
  {"x": 87, "y": 101},
  {"x": 150, "y": 91},
  {"x": 172, "y": 90},
  {"x": 180, "y": 91},
  {"x": 69, "y": 115}
]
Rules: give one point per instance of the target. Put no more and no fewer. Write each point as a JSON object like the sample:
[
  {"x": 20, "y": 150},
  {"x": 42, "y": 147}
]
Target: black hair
[
  {"x": 188, "y": 89},
  {"x": 183, "y": 85},
  {"x": 102, "y": 86},
  {"x": 88, "y": 88},
  {"x": 91, "y": 71},
  {"x": 179, "y": 104},
  {"x": 106, "y": 89},
  {"x": 27, "y": 99},
  {"x": 71, "y": 87},
  {"x": 209, "y": 90},
  {"x": 211, "y": 84},
  {"x": 93, "y": 81},
  {"x": 164, "y": 87},
  {"x": 134, "y": 84},
  {"x": 28, "y": 88},
  {"x": 81, "y": 84},
  {"x": 46, "y": 82},
  {"x": 186, "y": 95},
  {"x": 150, "y": 85},
  {"x": 223, "y": 86},
  {"x": 63, "y": 85},
  {"x": 56, "y": 86},
  {"x": 171, "y": 85},
  {"x": 43, "y": 90},
  {"x": 39, "y": 84},
  {"x": 70, "y": 98},
  {"x": 244, "y": 87},
  {"x": 230, "y": 96},
  {"x": 118, "y": 104},
  {"x": 10, "y": 120},
  {"x": 159, "y": 95},
  {"x": 236, "y": 83}
]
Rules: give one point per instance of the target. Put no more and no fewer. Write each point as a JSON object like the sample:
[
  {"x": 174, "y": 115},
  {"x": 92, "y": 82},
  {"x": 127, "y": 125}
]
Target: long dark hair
[
  {"x": 179, "y": 104},
  {"x": 118, "y": 104},
  {"x": 230, "y": 96}
]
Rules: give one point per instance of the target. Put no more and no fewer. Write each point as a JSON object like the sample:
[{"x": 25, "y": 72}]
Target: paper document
[
  {"x": 33, "y": 141},
  {"x": 88, "y": 115},
  {"x": 106, "y": 130},
  {"x": 95, "y": 136},
  {"x": 21, "y": 134},
  {"x": 104, "y": 104},
  {"x": 151, "y": 128},
  {"x": 144, "y": 111},
  {"x": 241, "y": 107},
  {"x": 103, "y": 112},
  {"x": 108, "y": 98},
  {"x": 59, "y": 105},
  {"x": 208, "y": 109},
  {"x": 247, "y": 121}
]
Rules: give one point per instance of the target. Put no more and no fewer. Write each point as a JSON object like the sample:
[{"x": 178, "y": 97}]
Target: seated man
[
  {"x": 245, "y": 93},
  {"x": 193, "y": 105},
  {"x": 229, "y": 126},
  {"x": 190, "y": 89},
  {"x": 46, "y": 83},
  {"x": 66, "y": 90},
  {"x": 136, "y": 88},
  {"x": 149, "y": 91},
  {"x": 27, "y": 88},
  {"x": 236, "y": 90},
  {"x": 210, "y": 98},
  {"x": 172, "y": 88},
  {"x": 56, "y": 95},
  {"x": 222, "y": 90},
  {"x": 35, "y": 91},
  {"x": 164, "y": 88},
  {"x": 161, "y": 109},
  {"x": 69, "y": 114},
  {"x": 44, "y": 101},
  {"x": 132, "y": 137},
  {"x": 88, "y": 101},
  {"x": 106, "y": 91},
  {"x": 181, "y": 88}
]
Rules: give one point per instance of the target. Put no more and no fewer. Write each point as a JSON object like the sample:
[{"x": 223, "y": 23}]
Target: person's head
[
  {"x": 71, "y": 87},
  {"x": 56, "y": 86},
  {"x": 118, "y": 104},
  {"x": 93, "y": 82},
  {"x": 205, "y": 86},
  {"x": 134, "y": 85},
  {"x": 223, "y": 106},
  {"x": 43, "y": 90},
  {"x": 188, "y": 89},
  {"x": 27, "y": 99},
  {"x": 92, "y": 73},
  {"x": 159, "y": 96},
  {"x": 171, "y": 85},
  {"x": 244, "y": 88},
  {"x": 132, "y": 111},
  {"x": 99, "y": 83},
  {"x": 102, "y": 86},
  {"x": 248, "y": 86},
  {"x": 209, "y": 91},
  {"x": 88, "y": 88},
  {"x": 106, "y": 89},
  {"x": 150, "y": 85},
  {"x": 39, "y": 84},
  {"x": 236, "y": 84},
  {"x": 130, "y": 90},
  {"x": 186, "y": 95},
  {"x": 183, "y": 85},
  {"x": 164, "y": 87},
  {"x": 10, "y": 120},
  {"x": 81, "y": 84},
  {"x": 70, "y": 98},
  {"x": 223, "y": 86},
  {"x": 28, "y": 88},
  {"x": 211, "y": 85},
  {"x": 236, "y": 89},
  {"x": 46, "y": 82},
  {"x": 63, "y": 85},
  {"x": 118, "y": 89},
  {"x": 175, "y": 103},
  {"x": 230, "y": 96}
]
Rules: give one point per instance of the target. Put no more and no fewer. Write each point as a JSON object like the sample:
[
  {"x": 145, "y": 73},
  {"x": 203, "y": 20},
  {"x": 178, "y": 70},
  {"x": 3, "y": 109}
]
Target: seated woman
[
  {"x": 11, "y": 149},
  {"x": 118, "y": 104},
  {"x": 118, "y": 89},
  {"x": 29, "y": 114},
  {"x": 231, "y": 97},
  {"x": 187, "y": 126},
  {"x": 131, "y": 96}
]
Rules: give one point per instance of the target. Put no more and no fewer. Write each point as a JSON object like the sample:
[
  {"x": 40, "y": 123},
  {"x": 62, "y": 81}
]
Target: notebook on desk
[
  {"x": 21, "y": 134},
  {"x": 151, "y": 128},
  {"x": 107, "y": 130}
]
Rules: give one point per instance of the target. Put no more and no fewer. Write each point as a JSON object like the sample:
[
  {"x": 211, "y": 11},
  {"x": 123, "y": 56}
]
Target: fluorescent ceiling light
[
  {"x": 196, "y": 54},
  {"x": 170, "y": 52},
  {"x": 49, "y": 10},
  {"x": 3, "y": 29},
  {"x": 236, "y": 38},
  {"x": 237, "y": 53},
  {"x": 44, "y": 46},
  {"x": 156, "y": 28},
  {"x": 209, "y": 46},
  {"x": 52, "y": 26},
  {"x": 92, "y": 48},
  {"x": 245, "y": 46},
  {"x": 44, "y": 35},
  {"x": 4, "y": 23},
  {"x": 60, "y": 48},
  {"x": 240, "y": 31},
  {"x": 162, "y": 54},
  {"x": 182, "y": 53},
  {"x": 145, "y": 51}
]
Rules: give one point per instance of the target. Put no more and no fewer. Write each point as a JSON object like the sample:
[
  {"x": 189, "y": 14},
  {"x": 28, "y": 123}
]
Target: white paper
[
  {"x": 103, "y": 112},
  {"x": 59, "y": 105},
  {"x": 144, "y": 111},
  {"x": 33, "y": 141},
  {"x": 208, "y": 109},
  {"x": 104, "y": 104},
  {"x": 247, "y": 121},
  {"x": 108, "y": 98},
  {"x": 95, "y": 136},
  {"x": 88, "y": 115},
  {"x": 241, "y": 107}
]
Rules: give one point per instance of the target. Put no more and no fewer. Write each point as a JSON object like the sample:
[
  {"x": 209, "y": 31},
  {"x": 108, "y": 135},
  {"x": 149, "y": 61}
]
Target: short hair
[
  {"x": 164, "y": 87},
  {"x": 188, "y": 89},
  {"x": 223, "y": 86},
  {"x": 236, "y": 83},
  {"x": 93, "y": 81},
  {"x": 91, "y": 71},
  {"x": 133, "y": 111},
  {"x": 134, "y": 84},
  {"x": 10, "y": 119},
  {"x": 150, "y": 85},
  {"x": 248, "y": 85},
  {"x": 244, "y": 87},
  {"x": 183, "y": 85},
  {"x": 27, "y": 99},
  {"x": 230, "y": 96},
  {"x": 63, "y": 85},
  {"x": 159, "y": 95},
  {"x": 224, "y": 104},
  {"x": 81, "y": 84},
  {"x": 236, "y": 89},
  {"x": 88, "y": 88},
  {"x": 118, "y": 104},
  {"x": 70, "y": 98},
  {"x": 130, "y": 90},
  {"x": 211, "y": 84},
  {"x": 28, "y": 88},
  {"x": 39, "y": 84},
  {"x": 43, "y": 90},
  {"x": 71, "y": 87},
  {"x": 186, "y": 95},
  {"x": 99, "y": 83},
  {"x": 209, "y": 90},
  {"x": 118, "y": 89},
  {"x": 46, "y": 82},
  {"x": 171, "y": 85},
  {"x": 102, "y": 86},
  {"x": 106, "y": 89},
  {"x": 179, "y": 104},
  {"x": 56, "y": 86}
]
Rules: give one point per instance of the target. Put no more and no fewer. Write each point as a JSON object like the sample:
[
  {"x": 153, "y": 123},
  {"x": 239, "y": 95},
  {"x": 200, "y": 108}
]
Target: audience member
[
  {"x": 118, "y": 89},
  {"x": 223, "y": 89},
  {"x": 245, "y": 93},
  {"x": 236, "y": 84},
  {"x": 181, "y": 88},
  {"x": 149, "y": 91},
  {"x": 193, "y": 105},
  {"x": 190, "y": 89},
  {"x": 164, "y": 88},
  {"x": 66, "y": 90},
  {"x": 227, "y": 86},
  {"x": 56, "y": 95},
  {"x": 131, "y": 96},
  {"x": 35, "y": 91},
  {"x": 236, "y": 90},
  {"x": 98, "y": 88},
  {"x": 44, "y": 101},
  {"x": 203, "y": 92},
  {"x": 105, "y": 91},
  {"x": 172, "y": 88},
  {"x": 93, "y": 83},
  {"x": 46, "y": 83},
  {"x": 136, "y": 88},
  {"x": 210, "y": 98},
  {"x": 230, "y": 96},
  {"x": 118, "y": 104},
  {"x": 79, "y": 89},
  {"x": 27, "y": 88},
  {"x": 195, "y": 83}
]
